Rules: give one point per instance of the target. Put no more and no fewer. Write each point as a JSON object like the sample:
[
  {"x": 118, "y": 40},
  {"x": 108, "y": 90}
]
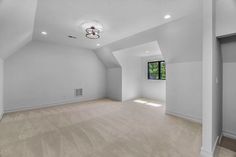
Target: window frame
[{"x": 159, "y": 69}]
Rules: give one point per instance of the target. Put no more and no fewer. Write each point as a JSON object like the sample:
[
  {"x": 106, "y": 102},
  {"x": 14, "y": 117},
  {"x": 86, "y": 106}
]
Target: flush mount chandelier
[
  {"x": 92, "y": 33},
  {"x": 92, "y": 29}
]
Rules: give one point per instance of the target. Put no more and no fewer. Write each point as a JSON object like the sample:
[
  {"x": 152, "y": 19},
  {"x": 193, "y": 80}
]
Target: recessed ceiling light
[
  {"x": 167, "y": 16},
  {"x": 44, "y": 33},
  {"x": 147, "y": 51},
  {"x": 98, "y": 44}
]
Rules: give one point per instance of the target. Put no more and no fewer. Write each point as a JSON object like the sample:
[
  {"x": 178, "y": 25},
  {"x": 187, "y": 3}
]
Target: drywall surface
[
  {"x": 228, "y": 47},
  {"x": 217, "y": 93},
  {"x": 107, "y": 58},
  {"x": 225, "y": 17},
  {"x": 114, "y": 84},
  {"x": 212, "y": 82},
  {"x": 1, "y": 87},
  {"x": 17, "y": 24},
  {"x": 131, "y": 75},
  {"x": 179, "y": 40},
  {"x": 184, "y": 90},
  {"x": 207, "y": 78},
  {"x": 42, "y": 74},
  {"x": 229, "y": 98},
  {"x": 153, "y": 89}
]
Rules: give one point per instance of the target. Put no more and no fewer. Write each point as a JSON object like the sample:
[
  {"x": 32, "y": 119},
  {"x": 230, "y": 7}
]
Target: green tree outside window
[{"x": 157, "y": 70}]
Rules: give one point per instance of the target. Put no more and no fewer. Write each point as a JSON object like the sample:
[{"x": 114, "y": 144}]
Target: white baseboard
[
  {"x": 215, "y": 145},
  {"x": 25, "y": 108},
  {"x": 220, "y": 138},
  {"x": 1, "y": 115},
  {"x": 206, "y": 153},
  {"x": 229, "y": 134},
  {"x": 184, "y": 116}
]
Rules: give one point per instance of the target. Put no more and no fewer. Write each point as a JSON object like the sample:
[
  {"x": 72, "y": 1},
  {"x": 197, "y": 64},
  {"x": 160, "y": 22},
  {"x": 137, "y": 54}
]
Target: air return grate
[{"x": 78, "y": 92}]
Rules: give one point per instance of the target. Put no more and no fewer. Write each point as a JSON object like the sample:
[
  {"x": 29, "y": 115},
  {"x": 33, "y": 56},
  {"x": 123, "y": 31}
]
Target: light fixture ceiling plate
[{"x": 89, "y": 24}]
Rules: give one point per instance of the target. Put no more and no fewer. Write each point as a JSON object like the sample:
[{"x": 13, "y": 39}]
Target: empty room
[{"x": 110, "y": 78}]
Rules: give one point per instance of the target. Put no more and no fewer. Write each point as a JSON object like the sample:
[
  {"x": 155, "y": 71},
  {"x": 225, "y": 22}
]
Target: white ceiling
[
  {"x": 147, "y": 49},
  {"x": 179, "y": 40},
  {"x": 121, "y": 18},
  {"x": 16, "y": 24}
]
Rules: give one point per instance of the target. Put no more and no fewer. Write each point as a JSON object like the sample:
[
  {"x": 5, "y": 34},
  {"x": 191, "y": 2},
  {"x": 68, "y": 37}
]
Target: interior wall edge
[{"x": 206, "y": 153}]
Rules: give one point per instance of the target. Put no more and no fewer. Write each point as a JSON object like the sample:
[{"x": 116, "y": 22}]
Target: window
[{"x": 157, "y": 70}]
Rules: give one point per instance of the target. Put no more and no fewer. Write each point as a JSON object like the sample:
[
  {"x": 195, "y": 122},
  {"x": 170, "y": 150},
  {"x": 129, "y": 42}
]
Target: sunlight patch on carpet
[{"x": 147, "y": 103}]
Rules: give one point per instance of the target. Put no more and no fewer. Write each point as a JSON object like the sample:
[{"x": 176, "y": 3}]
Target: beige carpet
[
  {"x": 102, "y": 128},
  {"x": 228, "y": 143}
]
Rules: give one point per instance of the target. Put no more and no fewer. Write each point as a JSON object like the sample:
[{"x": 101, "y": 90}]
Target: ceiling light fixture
[
  {"x": 167, "y": 16},
  {"x": 92, "y": 29},
  {"x": 147, "y": 51},
  {"x": 98, "y": 44},
  {"x": 44, "y": 33},
  {"x": 92, "y": 33}
]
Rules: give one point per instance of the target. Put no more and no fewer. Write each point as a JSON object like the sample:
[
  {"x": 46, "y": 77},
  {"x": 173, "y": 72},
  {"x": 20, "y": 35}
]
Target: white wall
[
  {"x": 44, "y": 73},
  {"x": 184, "y": 90},
  {"x": 229, "y": 99},
  {"x": 217, "y": 93},
  {"x": 131, "y": 75},
  {"x": 212, "y": 82},
  {"x": 225, "y": 15},
  {"x": 228, "y": 47},
  {"x": 179, "y": 40},
  {"x": 1, "y": 87},
  {"x": 114, "y": 83},
  {"x": 153, "y": 89},
  {"x": 107, "y": 58}
]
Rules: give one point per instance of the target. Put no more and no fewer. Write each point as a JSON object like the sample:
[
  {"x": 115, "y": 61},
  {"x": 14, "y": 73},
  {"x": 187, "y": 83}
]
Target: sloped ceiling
[
  {"x": 120, "y": 18},
  {"x": 17, "y": 24},
  {"x": 179, "y": 40},
  {"x": 107, "y": 58},
  {"x": 144, "y": 50}
]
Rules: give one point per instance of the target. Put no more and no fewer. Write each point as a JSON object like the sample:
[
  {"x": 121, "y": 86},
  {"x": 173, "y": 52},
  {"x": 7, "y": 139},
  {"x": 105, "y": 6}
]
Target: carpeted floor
[
  {"x": 102, "y": 128},
  {"x": 228, "y": 143}
]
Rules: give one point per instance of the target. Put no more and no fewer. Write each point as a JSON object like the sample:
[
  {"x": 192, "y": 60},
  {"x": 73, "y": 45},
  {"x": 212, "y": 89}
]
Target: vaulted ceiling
[
  {"x": 120, "y": 18},
  {"x": 143, "y": 50},
  {"x": 16, "y": 24},
  {"x": 179, "y": 41},
  {"x": 22, "y": 21}
]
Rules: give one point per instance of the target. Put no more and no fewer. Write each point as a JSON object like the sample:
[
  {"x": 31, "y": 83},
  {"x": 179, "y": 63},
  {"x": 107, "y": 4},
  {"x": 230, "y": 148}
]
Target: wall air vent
[{"x": 78, "y": 92}]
